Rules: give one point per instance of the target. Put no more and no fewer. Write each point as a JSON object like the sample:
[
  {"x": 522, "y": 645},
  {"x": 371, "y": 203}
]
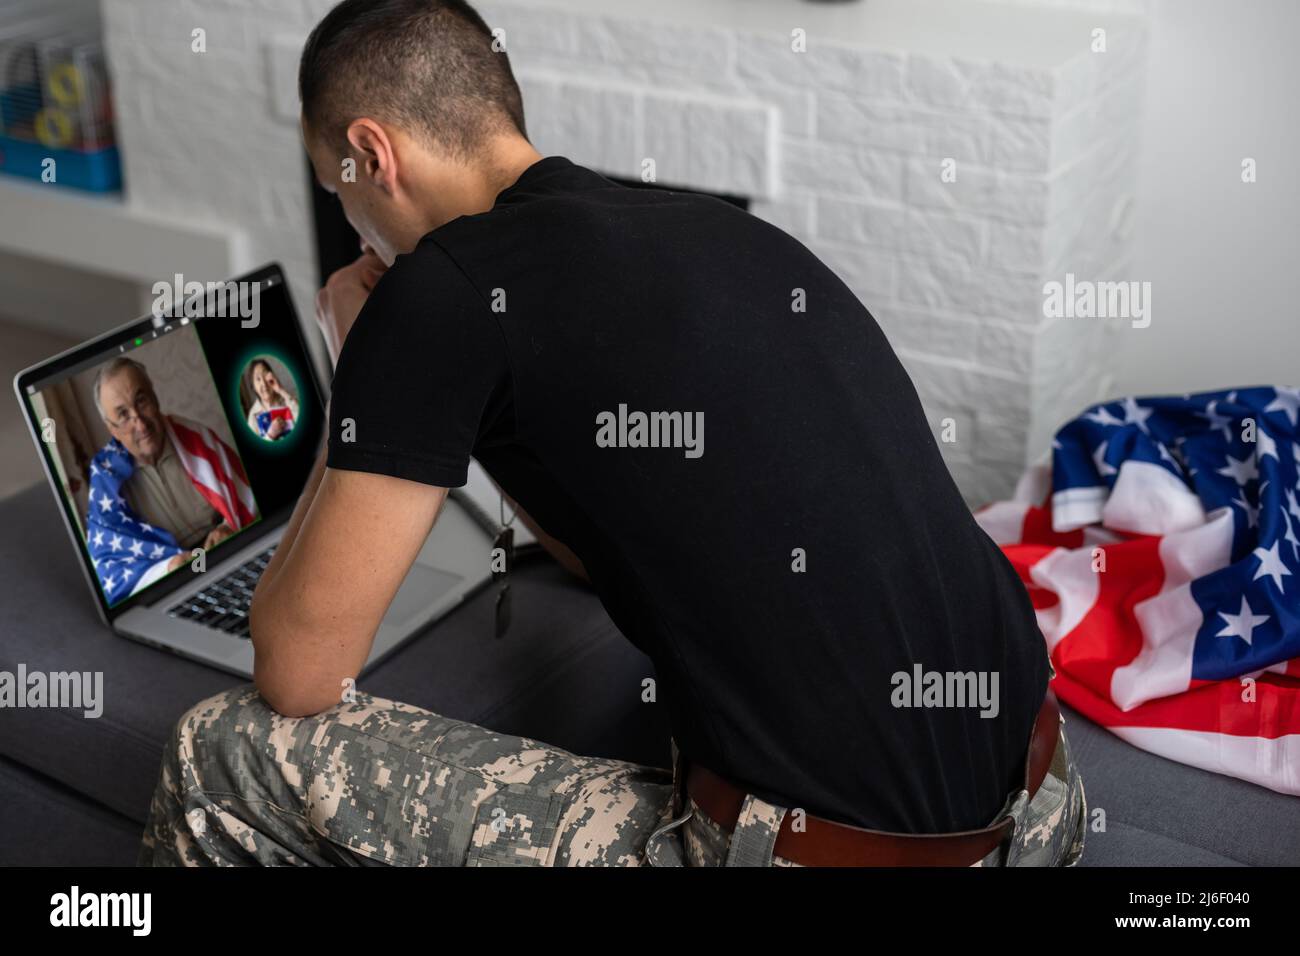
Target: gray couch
[{"x": 76, "y": 791}]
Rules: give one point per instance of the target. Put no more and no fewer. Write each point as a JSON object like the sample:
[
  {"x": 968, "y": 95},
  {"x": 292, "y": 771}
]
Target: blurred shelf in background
[{"x": 106, "y": 235}]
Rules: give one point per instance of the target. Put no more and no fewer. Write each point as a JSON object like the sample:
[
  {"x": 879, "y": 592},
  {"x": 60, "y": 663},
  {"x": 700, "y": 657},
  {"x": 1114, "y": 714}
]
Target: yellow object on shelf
[
  {"x": 53, "y": 127},
  {"x": 66, "y": 85}
]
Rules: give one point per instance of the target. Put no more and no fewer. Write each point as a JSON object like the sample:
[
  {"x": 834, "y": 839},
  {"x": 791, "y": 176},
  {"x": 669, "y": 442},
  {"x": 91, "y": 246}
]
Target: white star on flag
[
  {"x": 1290, "y": 536},
  {"x": 1252, "y": 513},
  {"x": 1099, "y": 459},
  {"x": 1217, "y": 421},
  {"x": 1241, "y": 625},
  {"x": 1287, "y": 401},
  {"x": 105, "y": 503},
  {"x": 137, "y": 548},
  {"x": 1270, "y": 565},
  {"x": 1134, "y": 414},
  {"x": 1102, "y": 416},
  {"x": 157, "y": 552},
  {"x": 1264, "y": 444},
  {"x": 1239, "y": 471},
  {"x": 115, "y": 542}
]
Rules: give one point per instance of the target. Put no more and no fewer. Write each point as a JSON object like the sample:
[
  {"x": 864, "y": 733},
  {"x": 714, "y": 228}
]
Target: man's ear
[{"x": 376, "y": 158}]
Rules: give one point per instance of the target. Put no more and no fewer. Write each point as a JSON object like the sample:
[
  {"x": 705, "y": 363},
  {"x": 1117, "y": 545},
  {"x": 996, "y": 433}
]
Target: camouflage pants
[{"x": 374, "y": 782}]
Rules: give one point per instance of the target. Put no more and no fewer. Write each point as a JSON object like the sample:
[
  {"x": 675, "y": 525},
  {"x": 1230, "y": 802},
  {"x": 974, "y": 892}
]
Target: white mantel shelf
[
  {"x": 1010, "y": 33},
  {"x": 106, "y": 235}
]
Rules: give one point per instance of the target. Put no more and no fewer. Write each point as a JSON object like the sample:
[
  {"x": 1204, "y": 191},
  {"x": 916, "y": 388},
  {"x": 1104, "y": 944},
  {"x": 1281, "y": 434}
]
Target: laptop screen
[{"x": 178, "y": 433}]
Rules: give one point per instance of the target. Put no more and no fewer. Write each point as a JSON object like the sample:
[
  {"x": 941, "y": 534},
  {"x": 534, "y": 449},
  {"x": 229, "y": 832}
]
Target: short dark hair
[{"x": 426, "y": 65}]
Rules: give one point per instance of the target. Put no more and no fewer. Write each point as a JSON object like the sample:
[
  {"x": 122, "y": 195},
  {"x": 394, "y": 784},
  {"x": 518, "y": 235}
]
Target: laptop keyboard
[{"x": 223, "y": 606}]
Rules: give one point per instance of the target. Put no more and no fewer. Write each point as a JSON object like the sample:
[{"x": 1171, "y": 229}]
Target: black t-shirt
[{"x": 781, "y": 547}]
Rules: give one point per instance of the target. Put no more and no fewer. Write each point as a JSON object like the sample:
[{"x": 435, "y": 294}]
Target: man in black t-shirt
[{"x": 698, "y": 417}]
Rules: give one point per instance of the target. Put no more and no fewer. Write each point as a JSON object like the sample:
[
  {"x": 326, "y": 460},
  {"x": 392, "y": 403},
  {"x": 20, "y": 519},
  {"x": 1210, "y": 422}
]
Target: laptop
[{"x": 176, "y": 506}]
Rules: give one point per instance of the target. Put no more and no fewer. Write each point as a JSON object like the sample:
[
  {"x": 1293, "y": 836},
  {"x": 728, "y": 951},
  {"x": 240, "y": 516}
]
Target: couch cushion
[
  {"x": 562, "y": 674},
  {"x": 48, "y": 824},
  {"x": 1162, "y": 813},
  {"x": 1123, "y": 845}
]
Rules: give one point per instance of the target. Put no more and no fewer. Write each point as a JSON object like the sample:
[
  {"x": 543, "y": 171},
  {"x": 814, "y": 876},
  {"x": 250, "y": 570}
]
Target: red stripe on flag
[
  {"x": 1212, "y": 707},
  {"x": 1038, "y": 529},
  {"x": 228, "y": 499},
  {"x": 1109, "y": 636}
]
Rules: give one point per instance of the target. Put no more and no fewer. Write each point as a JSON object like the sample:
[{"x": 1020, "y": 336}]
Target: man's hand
[
  {"x": 177, "y": 562},
  {"x": 217, "y": 535},
  {"x": 276, "y": 429},
  {"x": 340, "y": 301}
]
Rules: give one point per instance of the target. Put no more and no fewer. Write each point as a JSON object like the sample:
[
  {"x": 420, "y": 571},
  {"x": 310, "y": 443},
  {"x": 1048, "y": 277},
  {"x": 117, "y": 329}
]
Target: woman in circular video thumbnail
[{"x": 273, "y": 411}]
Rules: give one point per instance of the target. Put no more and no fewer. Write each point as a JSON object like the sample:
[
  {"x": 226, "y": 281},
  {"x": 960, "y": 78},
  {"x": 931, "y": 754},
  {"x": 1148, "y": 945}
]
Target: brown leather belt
[{"x": 827, "y": 843}]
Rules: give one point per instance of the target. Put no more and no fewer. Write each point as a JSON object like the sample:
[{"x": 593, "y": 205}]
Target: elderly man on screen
[{"x": 160, "y": 487}]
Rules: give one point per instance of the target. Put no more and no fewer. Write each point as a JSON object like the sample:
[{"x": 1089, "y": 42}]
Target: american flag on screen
[
  {"x": 1162, "y": 553},
  {"x": 130, "y": 554}
]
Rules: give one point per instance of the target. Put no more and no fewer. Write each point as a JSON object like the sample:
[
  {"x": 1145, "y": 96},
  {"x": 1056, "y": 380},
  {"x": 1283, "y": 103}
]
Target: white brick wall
[
  {"x": 847, "y": 158},
  {"x": 841, "y": 145},
  {"x": 209, "y": 135}
]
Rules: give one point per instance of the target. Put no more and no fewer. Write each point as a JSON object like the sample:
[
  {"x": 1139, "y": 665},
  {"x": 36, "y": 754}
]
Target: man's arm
[
  {"x": 349, "y": 545},
  {"x": 337, "y": 305},
  {"x": 305, "y": 641}
]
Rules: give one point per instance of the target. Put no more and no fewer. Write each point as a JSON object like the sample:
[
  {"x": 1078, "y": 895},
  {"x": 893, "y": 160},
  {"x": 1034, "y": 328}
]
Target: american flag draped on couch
[{"x": 1162, "y": 553}]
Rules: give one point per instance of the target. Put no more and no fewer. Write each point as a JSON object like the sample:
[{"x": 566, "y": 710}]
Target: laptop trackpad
[{"x": 423, "y": 588}]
